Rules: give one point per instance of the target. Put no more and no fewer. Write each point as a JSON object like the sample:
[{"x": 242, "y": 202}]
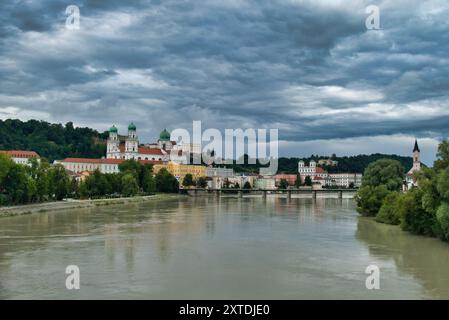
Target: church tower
[
  {"x": 416, "y": 157},
  {"x": 113, "y": 143},
  {"x": 131, "y": 142}
]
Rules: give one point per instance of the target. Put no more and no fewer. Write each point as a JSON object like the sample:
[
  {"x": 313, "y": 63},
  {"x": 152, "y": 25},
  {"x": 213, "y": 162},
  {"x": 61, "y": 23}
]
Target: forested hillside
[{"x": 52, "y": 141}]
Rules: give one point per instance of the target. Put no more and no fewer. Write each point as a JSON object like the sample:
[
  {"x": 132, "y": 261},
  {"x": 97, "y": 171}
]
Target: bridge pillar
[
  {"x": 196, "y": 192},
  {"x": 289, "y": 194},
  {"x": 340, "y": 194},
  {"x": 314, "y": 194},
  {"x": 240, "y": 194},
  {"x": 264, "y": 194}
]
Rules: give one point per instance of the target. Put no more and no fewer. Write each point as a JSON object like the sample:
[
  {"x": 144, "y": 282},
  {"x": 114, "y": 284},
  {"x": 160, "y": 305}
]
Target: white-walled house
[{"x": 20, "y": 156}]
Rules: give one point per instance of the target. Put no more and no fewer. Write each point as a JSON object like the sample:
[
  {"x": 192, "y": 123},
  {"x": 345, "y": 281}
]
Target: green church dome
[
  {"x": 165, "y": 135},
  {"x": 132, "y": 126},
  {"x": 113, "y": 129}
]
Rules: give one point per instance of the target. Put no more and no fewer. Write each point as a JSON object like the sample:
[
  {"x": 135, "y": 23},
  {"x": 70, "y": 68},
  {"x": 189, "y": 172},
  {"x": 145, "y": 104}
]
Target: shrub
[
  {"x": 443, "y": 220},
  {"x": 389, "y": 212},
  {"x": 369, "y": 199},
  {"x": 414, "y": 217}
]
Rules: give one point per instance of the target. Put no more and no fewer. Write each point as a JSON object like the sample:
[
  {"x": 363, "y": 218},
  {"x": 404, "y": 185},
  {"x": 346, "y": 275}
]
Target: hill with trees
[{"x": 52, "y": 141}]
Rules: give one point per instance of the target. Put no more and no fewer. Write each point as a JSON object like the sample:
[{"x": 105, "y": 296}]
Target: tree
[
  {"x": 59, "y": 182},
  {"x": 443, "y": 219},
  {"x": 188, "y": 180},
  {"x": 389, "y": 211},
  {"x": 166, "y": 182},
  {"x": 247, "y": 185},
  {"x": 298, "y": 181},
  {"x": 129, "y": 185},
  {"x": 149, "y": 184},
  {"x": 413, "y": 216},
  {"x": 389, "y": 173},
  {"x": 369, "y": 199},
  {"x": 283, "y": 184},
  {"x": 442, "y": 161},
  {"x": 308, "y": 181},
  {"x": 201, "y": 182}
]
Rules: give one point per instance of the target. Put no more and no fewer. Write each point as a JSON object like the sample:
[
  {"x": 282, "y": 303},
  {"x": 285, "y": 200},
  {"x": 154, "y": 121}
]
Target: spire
[{"x": 416, "y": 148}]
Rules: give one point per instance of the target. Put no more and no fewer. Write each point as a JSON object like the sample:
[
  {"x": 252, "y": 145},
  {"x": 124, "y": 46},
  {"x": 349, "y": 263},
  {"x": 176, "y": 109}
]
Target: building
[
  {"x": 265, "y": 183},
  {"x": 20, "y": 156},
  {"x": 78, "y": 165},
  {"x": 311, "y": 170},
  {"x": 181, "y": 170},
  {"x": 130, "y": 148},
  {"x": 327, "y": 162},
  {"x": 219, "y": 172},
  {"x": 290, "y": 178},
  {"x": 344, "y": 180},
  {"x": 410, "y": 180},
  {"x": 321, "y": 177}
]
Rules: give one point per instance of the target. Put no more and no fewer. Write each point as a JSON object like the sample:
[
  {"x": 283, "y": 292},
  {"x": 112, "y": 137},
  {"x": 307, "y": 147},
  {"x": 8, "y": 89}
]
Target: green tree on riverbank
[
  {"x": 37, "y": 182},
  {"x": 422, "y": 210}
]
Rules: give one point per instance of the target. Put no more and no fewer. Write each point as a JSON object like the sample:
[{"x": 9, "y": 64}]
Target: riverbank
[{"x": 75, "y": 204}]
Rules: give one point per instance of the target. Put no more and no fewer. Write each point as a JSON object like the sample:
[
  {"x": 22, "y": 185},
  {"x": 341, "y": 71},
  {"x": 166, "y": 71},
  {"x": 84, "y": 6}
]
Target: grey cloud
[{"x": 229, "y": 64}]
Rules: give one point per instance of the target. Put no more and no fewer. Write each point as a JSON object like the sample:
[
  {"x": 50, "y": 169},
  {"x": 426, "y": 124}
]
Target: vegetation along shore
[{"x": 423, "y": 210}]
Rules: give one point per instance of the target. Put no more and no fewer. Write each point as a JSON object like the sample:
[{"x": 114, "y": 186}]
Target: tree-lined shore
[
  {"x": 423, "y": 210},
  {"x": 41, "y": 182}
]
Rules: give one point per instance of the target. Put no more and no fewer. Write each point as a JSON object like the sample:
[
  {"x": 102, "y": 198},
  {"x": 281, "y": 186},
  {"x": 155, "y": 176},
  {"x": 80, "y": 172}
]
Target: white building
[
  {"x": 20, "y": 156},
  {"x": 78, "y": 165},
  {"x": 265, "y": 183},
  {"x": 321, "y": 177},
  {"x": 312, "y": 170},
  {"x": 344, "y": 180},
  {"x": 219, "y": 172},
  {"x": 410, "y": 181},
  {"x": 131, "y": 149},
  {"x": 163, "y": 150}
]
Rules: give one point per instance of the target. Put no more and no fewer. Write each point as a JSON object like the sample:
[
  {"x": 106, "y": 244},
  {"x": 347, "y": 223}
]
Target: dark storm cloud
[{"x": 309, "y": 68}]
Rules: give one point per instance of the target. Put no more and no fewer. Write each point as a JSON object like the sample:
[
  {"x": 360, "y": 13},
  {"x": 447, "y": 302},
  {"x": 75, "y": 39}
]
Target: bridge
[{"x": 264, "y": 192}]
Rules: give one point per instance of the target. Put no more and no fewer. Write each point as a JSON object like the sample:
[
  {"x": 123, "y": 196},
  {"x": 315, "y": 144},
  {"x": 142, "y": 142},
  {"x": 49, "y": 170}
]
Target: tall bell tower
[
  {"x": 113, "y": 144},
  {"x": 131, "y": 143},
  {"x": 416, "y": 157}
]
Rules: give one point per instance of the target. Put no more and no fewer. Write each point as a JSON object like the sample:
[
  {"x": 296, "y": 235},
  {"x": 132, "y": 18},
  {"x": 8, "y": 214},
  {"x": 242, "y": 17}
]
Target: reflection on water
[
  {"x": 217, "y": 248},
  {"x": 426, "y": 259}
]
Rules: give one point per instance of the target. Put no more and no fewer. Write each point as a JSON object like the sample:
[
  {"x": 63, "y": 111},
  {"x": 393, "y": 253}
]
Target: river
[{"x": 209, "y": 248}]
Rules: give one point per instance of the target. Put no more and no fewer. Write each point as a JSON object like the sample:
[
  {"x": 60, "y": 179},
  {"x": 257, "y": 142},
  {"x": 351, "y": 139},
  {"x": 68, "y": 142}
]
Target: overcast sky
[{"x": 309, "y": 68}]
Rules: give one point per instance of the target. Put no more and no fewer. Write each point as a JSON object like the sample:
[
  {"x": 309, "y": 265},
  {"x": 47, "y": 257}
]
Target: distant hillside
[
  {"x": 355, "y": 164},
  {"x": 52, "y": 141}
]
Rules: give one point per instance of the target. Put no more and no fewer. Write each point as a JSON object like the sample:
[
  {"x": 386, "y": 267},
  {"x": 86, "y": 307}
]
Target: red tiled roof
[
  {"x": 146, "y": 150},
  {"x": 20, "y": 153}
]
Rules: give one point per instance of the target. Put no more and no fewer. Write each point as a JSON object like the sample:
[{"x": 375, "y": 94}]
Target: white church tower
[
  {"x": 416, "y": 157},
  {"x": 131, "y": 143},
  {"x": 113, "y": 144}
]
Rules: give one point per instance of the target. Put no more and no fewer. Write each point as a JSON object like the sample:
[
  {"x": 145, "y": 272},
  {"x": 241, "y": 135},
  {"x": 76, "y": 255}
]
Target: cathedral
[{"x": 131, "y": 149}]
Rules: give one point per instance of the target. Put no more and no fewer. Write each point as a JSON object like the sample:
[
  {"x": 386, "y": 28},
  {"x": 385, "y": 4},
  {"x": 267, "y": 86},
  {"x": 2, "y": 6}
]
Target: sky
[{"x": 310, "y": 68}]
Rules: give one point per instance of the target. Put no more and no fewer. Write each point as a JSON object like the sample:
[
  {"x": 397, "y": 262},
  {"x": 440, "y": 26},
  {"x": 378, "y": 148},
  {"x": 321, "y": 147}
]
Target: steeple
[{"x": 416, "y": 148}]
